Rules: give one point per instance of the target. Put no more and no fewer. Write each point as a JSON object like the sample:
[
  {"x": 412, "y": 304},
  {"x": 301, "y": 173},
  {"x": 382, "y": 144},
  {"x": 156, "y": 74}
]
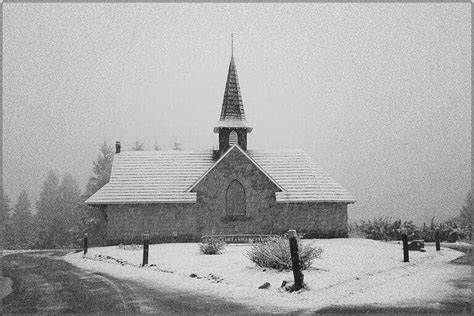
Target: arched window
[
  {"x": 235, "y": 199},
  {"x": 233, "y": 138}
]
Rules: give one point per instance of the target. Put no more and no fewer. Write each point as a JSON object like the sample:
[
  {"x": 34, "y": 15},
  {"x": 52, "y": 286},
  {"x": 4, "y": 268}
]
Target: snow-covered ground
[{"x": 351, "y": 272}]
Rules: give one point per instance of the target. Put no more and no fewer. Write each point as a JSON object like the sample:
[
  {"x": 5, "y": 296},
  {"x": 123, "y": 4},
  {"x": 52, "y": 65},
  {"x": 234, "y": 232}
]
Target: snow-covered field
[{"x": 351, "y": 272}]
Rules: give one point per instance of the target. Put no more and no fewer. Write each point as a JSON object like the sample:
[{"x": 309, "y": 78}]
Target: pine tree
[
  {"x": 94, "y": 222},
  {"x": 465, "y": 216},
  {"x": 70, "y": 213},
  {"x": 177, "y": 146},
  {"x": 5, "y": 211},
  {"x": 4, "y": 219},
  {"x": 137, "y": 146},
  {"x": 47, "y": 212},
  {"x": 101, "y": 169},
  {"x": 59, "y": 217},
  {"x": 21, "y": 232},
  {"x": 47, "y": 200}
]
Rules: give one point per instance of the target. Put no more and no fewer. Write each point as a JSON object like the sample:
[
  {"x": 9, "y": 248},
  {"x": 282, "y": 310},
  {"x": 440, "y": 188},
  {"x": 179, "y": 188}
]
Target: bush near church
[
  {"x": 214, "y": 246},
  {"x": 275, "y": 253},
  {"x": 385, "y": 229}
]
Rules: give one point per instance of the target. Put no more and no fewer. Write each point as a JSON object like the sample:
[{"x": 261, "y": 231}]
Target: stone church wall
[
  {"x": 188, "y": 222},
  {"x": 181, "y": 223},
  {"x": 164, "y": 222},
  {"x": 209, "y": 215},
  {"x": 315, "y": 220},
  {"x": 211, "y": 192}
]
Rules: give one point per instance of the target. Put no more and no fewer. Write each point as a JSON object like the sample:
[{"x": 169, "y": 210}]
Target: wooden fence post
[
  {"x": 438, "y": 246},
  {"x": 85, "y": 243},
  {"x": 405, "y": 248},
  {"x": 146, "y": 238},
  {"x": 295, "y": 260}
]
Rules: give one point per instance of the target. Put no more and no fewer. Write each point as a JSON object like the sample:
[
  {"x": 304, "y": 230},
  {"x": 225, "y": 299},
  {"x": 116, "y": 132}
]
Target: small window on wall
[
  {"x": 235, "y": 199},
  {"x": 233, "y": 138}
]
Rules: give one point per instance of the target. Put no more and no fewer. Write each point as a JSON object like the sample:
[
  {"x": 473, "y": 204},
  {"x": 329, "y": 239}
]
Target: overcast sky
[{"x": 378, "y": 94}]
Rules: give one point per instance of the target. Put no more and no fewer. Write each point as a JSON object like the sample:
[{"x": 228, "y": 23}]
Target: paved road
[{"x": 42, "y": 283}]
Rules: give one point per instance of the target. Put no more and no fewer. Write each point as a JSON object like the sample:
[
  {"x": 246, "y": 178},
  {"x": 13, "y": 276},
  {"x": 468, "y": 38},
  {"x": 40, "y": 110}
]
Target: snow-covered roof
[
  {"x": 153, "y": 177},
  {"x": 300, "y": 176},
  {"x": 235, "y": 147},
  {"x": 166, "y": 176}
]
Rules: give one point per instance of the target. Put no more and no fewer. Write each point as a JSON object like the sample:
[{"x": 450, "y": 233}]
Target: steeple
[
  {"x": 232, "y": 105},
  {"x": 232, "y": 124}
]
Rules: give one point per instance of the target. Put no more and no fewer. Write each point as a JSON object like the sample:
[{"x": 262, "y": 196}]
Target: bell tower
[{"x": 232, "y": 127}]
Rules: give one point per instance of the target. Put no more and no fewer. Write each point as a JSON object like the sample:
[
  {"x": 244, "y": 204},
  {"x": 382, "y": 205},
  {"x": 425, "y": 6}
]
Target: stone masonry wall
[
  {"x": 164, "y": 222},
  {"x": 211, "y": 192},
  {"x": 180, "y": 222},
  {"x": 315, "y": 220},
  {"x": 188, "y": 222}
]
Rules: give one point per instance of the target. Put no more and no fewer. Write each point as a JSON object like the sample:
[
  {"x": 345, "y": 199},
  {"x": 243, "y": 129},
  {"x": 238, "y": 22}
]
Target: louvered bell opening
[{"x": 233, "y": 138}]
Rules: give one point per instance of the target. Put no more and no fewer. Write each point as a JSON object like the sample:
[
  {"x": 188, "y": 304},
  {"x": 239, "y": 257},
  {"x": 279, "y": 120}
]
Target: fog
[{"x": 378, "y": 94}]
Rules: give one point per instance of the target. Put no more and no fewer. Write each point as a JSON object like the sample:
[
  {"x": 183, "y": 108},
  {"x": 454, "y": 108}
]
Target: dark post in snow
[
  {"x": 405, "y": 247},
  {"x": 295, "y": 260},
  {"x": 438, "y": 246},
  {"x": 85, "y": 243},
  {"x": 146, "y": 238}
]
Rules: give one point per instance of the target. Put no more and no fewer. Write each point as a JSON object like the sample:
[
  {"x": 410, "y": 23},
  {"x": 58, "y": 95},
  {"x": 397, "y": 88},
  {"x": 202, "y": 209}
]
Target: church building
[{"x": 182, "y": 195}]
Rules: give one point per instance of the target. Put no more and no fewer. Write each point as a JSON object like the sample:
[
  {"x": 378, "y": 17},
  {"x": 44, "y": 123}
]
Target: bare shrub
[
  {"x": 275, "y": 253},
  {"x": 214, "y": 246},
  {"x": 385, "y": 229}
]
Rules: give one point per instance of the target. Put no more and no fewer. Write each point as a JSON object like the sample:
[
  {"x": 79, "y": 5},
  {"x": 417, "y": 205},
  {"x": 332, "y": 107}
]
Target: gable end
[{"x": 235, "y": 148}]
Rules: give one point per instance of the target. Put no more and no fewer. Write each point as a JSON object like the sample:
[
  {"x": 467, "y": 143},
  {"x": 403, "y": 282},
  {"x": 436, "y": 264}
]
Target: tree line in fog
[{"x": 62, "y": 217}]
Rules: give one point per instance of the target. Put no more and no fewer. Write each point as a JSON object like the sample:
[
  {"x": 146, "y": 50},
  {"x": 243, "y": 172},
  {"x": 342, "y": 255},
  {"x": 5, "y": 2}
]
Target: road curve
[{"x": 43, "y": 283}]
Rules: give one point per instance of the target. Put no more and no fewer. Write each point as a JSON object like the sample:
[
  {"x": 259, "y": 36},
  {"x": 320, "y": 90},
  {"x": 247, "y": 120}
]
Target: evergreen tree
[
  {"x": 94, "y": 222},
  {"x": 47, "y": 212},
  {"x": 59, "y": 217},
  {"x": 177, "y": 146},
  {"x": 47, "y": 200},
  {"x": 465, "y": 216},
  {"x": 70, "y": 213},
  {"x": 5, "y": 211},
  {"x": 4, "y": 219},
  {"x": 137, "y": 146},
  {"x": 101, "y": 170},
  {"x": 21, "y": 233}
]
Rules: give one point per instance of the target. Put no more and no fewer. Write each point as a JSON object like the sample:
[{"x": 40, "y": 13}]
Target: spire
[
  {"x": 232, "y": 126},
  {"x": 232, "y": 105},
  {"x": 232, "y": 112}
]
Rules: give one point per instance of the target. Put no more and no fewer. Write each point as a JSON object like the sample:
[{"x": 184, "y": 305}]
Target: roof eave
[
  {"x": 138, "y": 202},
  {"x": 282, "y": 201}
]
